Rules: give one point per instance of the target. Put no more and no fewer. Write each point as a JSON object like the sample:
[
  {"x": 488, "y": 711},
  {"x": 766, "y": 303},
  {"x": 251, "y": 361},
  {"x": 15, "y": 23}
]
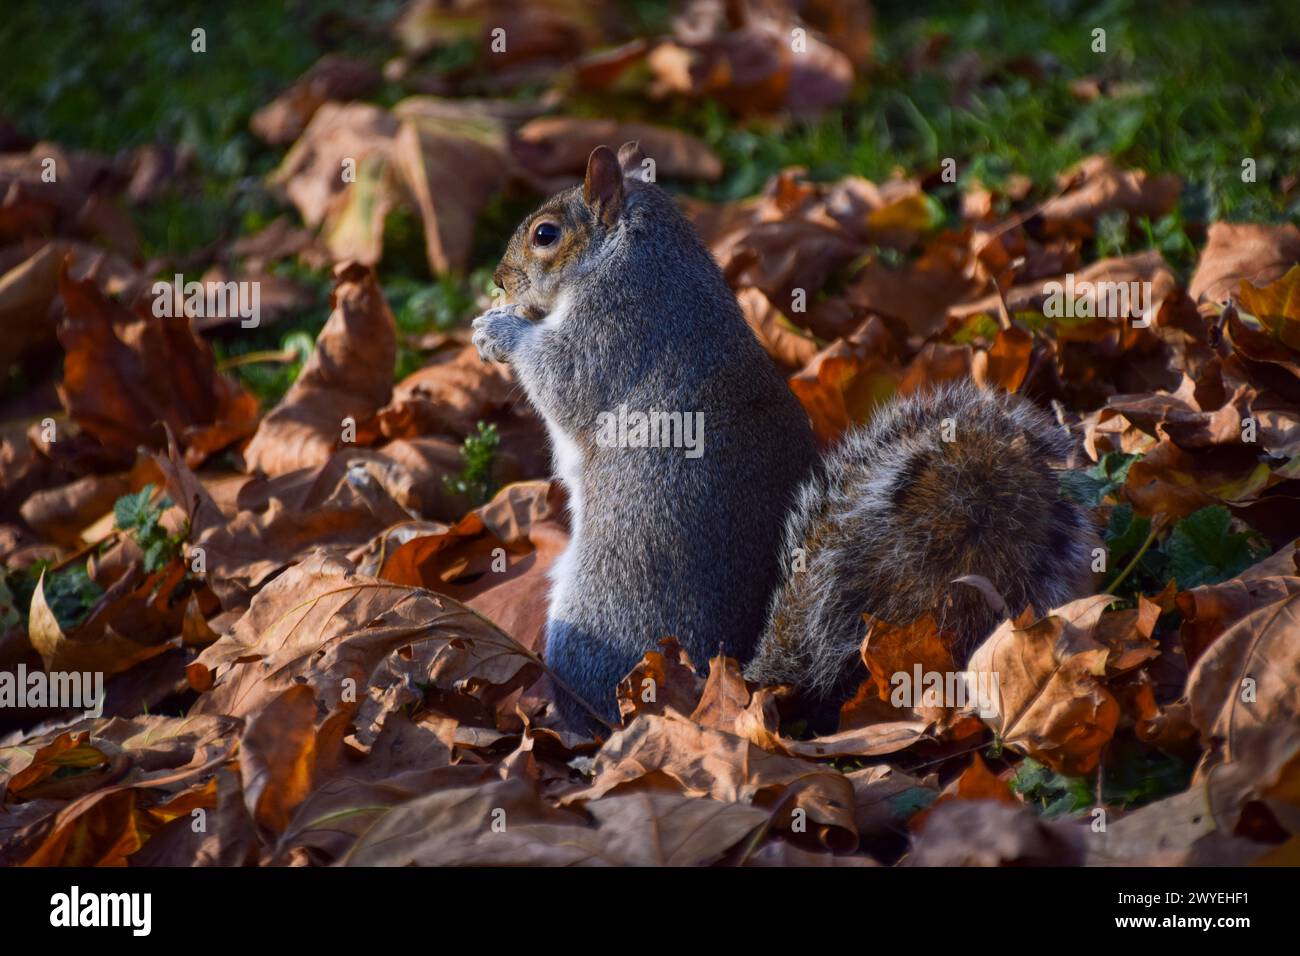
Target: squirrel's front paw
[{"x": 498, "y": 331}]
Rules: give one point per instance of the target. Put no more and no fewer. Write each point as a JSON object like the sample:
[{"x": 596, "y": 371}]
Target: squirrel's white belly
[
  {"x": 566, "y": 456},
  {"x": 567, "y": 460}
]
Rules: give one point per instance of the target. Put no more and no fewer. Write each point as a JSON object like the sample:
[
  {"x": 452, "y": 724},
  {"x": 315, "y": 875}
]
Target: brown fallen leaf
[
  {"x": 920, "y": 294},
  {"x": 418, "y": 470},
  {"x": 346, "y": 379},
  {"x": 102, "y": 828},
  {"x": 24, "y": 470},
  {"x": 1209, "y": 610},
  {"x": 1006, "y": 362},
  {"x": 886, "y": 797},
  {"x": 1246, "y": 252},
  {"x": 725, "y": 696},
  {"x": 1175, "y": 482},
  {"x": 991, "y": 833},
  {"x": 469, "y": 822},
  {"x": 742, "y": 55},
  {"x": 278, "y": 757},
  {"x": 155, "y": 745},
  {"x": 65, "y": 751},
  {"x": 783, "y": 853},
  {"x": 451, "y": 176},
  {"x": 228, "y": 839},
  {"x": 662, "y": 680},
  {"x": 1181, "y": 830},
  {"x": 321, "y": 624},
  {"x": 559, "y": 146},
  {"x": 1128, "y": 634},
  {"x": 977, "y": 782},
  {"x": 505, "y": 824},
  {"x": 280, "y": 239},
  {"x": 496, "y": 558},
  {"x": 127, "y": 374},
  {"x": 342, "y": 808},
  {"x": 1180, "y": 418},
  {"x": 1045, "y": 679},
  {"x": 869, "y": 740},
  {"x": 1097, "y": 186},
  {"x": 80, "y": 203},
  {"x": 545, "y": 30},
  {"x": 847, "y": 380},
  {"x": 108, "y": 824},
  {"x": 355, "y": 163},
  {"x": 61, "y": 514},
  {"x": 1144, "y": 267},
  {"x": 450, "y": 159},
  {"x": 277, "y": 295},
  {"x": 311, "y": 174},
  {"x": 697, "y": 761},
  {"x": 130, "y": 623},
  {"x": 601, "y": 69},
  {"x": 895, "y": 213},
  {"x": 332, "y": 77},
  {"x": 896, "y": 656},
  {"x": 30, "y": 307},
  {"x": 1256, "y": 793},
  {"x": 847, "y": 27},
  {"x": 1247, "y": 678},
  {"x": 338, "y": 508},
  {"x": 782, "y": 257},
  {"x": 1276, "y": 305},
  {"x": 447, "y": 396},
  {"x": 788, "y": 346},
  {"x": 937, "y": 362},
  {"x": 176, "y": 817}
]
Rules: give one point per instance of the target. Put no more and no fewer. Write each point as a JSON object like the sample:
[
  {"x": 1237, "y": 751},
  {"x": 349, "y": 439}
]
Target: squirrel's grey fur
[
  {"x": 938, "y": 486},
  {"x": 637, "y": 314},
  {"x": 662, "y": 544}
]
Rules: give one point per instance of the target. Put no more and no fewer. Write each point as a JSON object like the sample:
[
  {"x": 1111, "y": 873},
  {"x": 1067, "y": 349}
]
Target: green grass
[
  {"x": 1201, "y": 86},
  {"x": 109, "y": 76}
]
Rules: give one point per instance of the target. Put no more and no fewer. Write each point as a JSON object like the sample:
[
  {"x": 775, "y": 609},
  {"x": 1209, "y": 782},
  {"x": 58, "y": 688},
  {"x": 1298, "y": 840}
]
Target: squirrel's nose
[{"x": 496, "y": 278}]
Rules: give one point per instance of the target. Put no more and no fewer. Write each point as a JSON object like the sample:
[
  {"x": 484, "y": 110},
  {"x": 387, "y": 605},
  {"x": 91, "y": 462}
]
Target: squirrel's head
[{"x": 570, "y": 233}]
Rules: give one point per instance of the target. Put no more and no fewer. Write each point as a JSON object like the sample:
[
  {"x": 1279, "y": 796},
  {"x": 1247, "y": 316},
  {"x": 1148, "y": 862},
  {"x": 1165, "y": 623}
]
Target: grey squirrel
[{"x": 753, "y": 546}]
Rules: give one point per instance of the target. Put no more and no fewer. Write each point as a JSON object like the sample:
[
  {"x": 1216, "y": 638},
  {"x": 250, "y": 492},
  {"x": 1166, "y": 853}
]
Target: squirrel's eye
[{"x": 545, "y": 233}]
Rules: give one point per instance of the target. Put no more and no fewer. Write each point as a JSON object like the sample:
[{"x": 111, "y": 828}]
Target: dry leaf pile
[{"x": 314, "y": 651}]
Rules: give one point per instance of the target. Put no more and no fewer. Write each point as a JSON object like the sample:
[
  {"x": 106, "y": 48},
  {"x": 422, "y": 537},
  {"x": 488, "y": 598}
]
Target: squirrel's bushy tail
[{"x": 959, "y": 481}]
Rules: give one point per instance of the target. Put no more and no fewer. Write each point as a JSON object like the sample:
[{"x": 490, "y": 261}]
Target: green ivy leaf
[
  {"x": 1125, "y": 532},
  {"x": 1082, "y": 488},
  {"x": 1137, "y": 774},
  {"x": 1051, "y": 793},
  {"x": 1203, "y": 548},
  {"x": 131, "y": 510},
  {"x": 1091, "y": 487},
  {"x": 140, "y": 518},
  {"x": 70, "y": 594},
  {"x": 9, "y": 616}
]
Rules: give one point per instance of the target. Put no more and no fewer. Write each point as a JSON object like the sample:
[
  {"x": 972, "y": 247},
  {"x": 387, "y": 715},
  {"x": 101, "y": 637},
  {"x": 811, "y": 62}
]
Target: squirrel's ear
[
  {"x": 602, "y": 189},
  {"x": 630, "y": 157}
]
